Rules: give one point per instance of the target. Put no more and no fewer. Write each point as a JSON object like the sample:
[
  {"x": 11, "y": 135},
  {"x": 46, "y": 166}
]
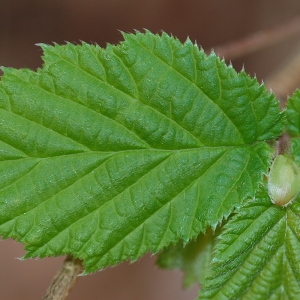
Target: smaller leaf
[
  {"x": 193, "y": 259},
  {"x": 257, "y": 256}
]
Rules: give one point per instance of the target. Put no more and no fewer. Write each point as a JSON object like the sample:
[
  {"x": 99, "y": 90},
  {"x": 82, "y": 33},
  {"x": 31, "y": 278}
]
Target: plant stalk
[
  {"x": 259, "y": 40},
  {"x": 64, "y": 279},
  {"x": 286, "y": 79}
]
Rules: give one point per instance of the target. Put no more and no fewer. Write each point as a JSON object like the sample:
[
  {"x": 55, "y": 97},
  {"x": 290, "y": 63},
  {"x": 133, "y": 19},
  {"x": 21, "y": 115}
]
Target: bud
[{"x": 284, "y": 181}]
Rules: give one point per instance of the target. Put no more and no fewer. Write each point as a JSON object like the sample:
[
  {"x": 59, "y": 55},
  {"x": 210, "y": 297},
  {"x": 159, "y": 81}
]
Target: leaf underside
[
  {"x": 107, "y": 154},
  {"x": 258, "y": 254},
  {"x": 193, "y": 259}
]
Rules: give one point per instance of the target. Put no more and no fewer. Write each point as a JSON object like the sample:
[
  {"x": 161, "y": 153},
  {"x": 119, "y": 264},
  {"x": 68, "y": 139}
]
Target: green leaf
[
  {"x": 293, "y": 123},
  {"x": 107, "y": 154},
  {"x": 193, "y": 259},
  {"x": 293, "y": 114},
  {"x": 257, "y": 256},
  {"x": 295, "y": 149}
]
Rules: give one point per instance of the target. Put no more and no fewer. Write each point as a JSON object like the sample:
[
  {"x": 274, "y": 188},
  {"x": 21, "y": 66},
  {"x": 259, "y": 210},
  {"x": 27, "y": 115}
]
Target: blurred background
[{"x": 210, "y": 22}]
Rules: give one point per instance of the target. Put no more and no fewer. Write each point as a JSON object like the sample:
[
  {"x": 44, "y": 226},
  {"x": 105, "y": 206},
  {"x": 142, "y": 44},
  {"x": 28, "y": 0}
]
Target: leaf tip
[{"x": 44, "y": 46}]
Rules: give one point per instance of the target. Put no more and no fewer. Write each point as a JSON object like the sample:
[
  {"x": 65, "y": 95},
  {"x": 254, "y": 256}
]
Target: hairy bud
[{"x": 284, "y": 180}]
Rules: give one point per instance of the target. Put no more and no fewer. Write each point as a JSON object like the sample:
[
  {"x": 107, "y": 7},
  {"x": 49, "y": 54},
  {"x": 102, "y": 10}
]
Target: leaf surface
[
  {"x": 107, "y": 154},
  {"x": 293, "y": 114},
  {"x": 293, "y": 123},
  {"x": 257, "y": 256}
]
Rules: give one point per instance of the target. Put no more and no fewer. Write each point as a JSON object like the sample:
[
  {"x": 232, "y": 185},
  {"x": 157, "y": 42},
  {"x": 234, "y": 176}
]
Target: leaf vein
[
  {"x": 193, "y": 83},
  {"x": 112, "y": 199}
]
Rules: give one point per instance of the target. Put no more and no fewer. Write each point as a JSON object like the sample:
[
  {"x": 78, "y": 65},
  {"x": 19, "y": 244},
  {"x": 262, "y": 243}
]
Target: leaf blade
[{"x": 113, "y": 170}]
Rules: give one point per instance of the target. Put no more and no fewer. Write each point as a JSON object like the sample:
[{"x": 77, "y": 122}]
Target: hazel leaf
[{"x": 107, "y": 154}]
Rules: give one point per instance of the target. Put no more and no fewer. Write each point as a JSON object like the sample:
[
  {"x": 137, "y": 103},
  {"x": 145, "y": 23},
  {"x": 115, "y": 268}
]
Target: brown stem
[
  {"x": 64, "y": 279},
  {"x": 283, "y": 144},
  {"x": 259, "y": 40}
]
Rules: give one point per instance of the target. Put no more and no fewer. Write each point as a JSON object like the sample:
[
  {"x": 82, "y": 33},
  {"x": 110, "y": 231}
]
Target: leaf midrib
[
  {"x": 148, "y": 217},
  {"x": 194, "y": 84}
]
